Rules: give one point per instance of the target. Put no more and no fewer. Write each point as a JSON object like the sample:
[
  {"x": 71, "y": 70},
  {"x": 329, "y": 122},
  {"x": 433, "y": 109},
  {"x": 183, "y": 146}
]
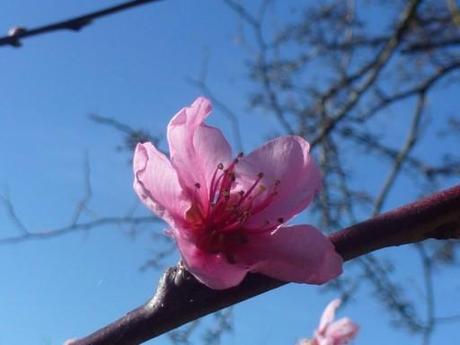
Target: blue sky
[{"x": 132, "y": 67}]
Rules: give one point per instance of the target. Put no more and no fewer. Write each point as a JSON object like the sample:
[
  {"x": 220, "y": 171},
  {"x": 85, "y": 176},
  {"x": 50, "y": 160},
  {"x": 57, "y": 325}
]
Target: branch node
[{"x": 14, "y": 33}]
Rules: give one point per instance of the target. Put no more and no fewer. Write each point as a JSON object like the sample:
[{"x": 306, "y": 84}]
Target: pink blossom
[
  {"x": 331, "y": 332},
  {"x": 227, "y": 213},
  {"x": 70, "y": 341}
]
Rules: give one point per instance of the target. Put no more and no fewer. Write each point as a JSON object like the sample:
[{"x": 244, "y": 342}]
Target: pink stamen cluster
[{"x": 220, "y": 223}]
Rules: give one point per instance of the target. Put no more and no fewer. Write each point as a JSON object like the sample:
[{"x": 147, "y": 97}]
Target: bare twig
[
  {"x": 180, "y": 298},
  {"x": 133, "y": 136},
  {"x": 427, "y": 266},
  {"x": 390, "y": 293},
  {"x": 82, "y": 205},
  {"x": 12, "y": 214},
  {"x": 77, "y": 227},
  {"x": 201, "y": 83},
  {"x": 446, "y": 319},
  {"x": 421, "y": 46},
  {"x": 402, "y": 155},
  {"x": 74, "y": 24},
  {"x": 256, "y": 24},
  {"x": 375, "y": 67},
  {"x": 422, "y": 87}
]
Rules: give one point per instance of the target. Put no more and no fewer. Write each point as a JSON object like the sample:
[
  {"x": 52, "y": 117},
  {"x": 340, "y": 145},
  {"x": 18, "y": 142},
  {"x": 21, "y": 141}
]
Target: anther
[
  {"x": 277, "y": 182},
  {"x": 260, "y": 175},
  {"x": 197, "y": 185},
  {"x": 240, "y": 155},
  {"x": 220, "y": 166},
  {"x": 280, "y": 220}
]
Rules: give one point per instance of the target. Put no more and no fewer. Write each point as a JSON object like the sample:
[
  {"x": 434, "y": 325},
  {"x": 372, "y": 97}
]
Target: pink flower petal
[
  {"x": 195, "y": 148},
  {"x": 299, "y": 253},
  {"x": 334, "y": 332},
  {"x": 329, "y": 314},
  {"x": 342, "y": 331},
  {"x": 223, "y": 212},
  {"x": 213, "y": 270},
  {"x": 287, "y": 160},
  {"x": 157, "y": 185}
]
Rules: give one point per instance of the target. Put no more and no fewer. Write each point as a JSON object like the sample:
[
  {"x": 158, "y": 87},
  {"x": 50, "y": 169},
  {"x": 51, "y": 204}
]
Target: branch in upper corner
[
  {"x": 180, "y": 298},
  {"x": 15, "y": 34}
]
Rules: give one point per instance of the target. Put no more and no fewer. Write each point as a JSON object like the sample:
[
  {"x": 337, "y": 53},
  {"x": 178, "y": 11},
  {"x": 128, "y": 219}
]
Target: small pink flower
[
  {"x": 331, "y": 332},
  {"x": 227, "y": 213}
]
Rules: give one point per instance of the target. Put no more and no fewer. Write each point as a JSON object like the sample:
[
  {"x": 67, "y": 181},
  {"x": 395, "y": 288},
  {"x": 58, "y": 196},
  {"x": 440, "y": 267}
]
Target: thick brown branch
[
  {"x": 74, "y": 24},
  {"x": 180, "y": 298}
]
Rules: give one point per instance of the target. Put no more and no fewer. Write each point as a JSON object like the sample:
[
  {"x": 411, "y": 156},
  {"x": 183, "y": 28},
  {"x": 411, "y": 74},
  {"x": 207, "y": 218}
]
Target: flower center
[{"x": 220, "y": 224}]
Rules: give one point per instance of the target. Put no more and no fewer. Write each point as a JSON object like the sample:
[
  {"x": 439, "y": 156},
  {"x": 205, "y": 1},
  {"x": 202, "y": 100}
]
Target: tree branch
[
  {"x": 401, "y": 157},
  {"x": 372, "y": 71},
  {"x": 180, "y": 298},
  {"x": 76, "y": 227},
  {"x": 74, "y": 24}
]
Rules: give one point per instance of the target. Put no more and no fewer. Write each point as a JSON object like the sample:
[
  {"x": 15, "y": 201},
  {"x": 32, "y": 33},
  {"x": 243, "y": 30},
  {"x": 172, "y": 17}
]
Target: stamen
[
  {"x": 228, "y": 209},
  {"x": 254, "y": 185},
  {"x": 214, "y": 184}
]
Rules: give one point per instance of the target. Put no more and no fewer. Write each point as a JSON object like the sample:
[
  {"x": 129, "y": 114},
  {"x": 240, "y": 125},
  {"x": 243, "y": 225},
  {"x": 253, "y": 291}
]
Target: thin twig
[
  {"x": 429, "y": 290},
  {"x": 377, "y": 65},
  {"x": 12, "y": 214},
  {"x": 422, "y": 87},
  {"x": 422, "y": 46},
  {"x": 262, "y": 63},
  {"x": 226, "y": 111},
  {"x": 446, "y": 319},
  {"x": 201, "y": 83},
  {"x": 74, "y": 24},
  {"x": 82, "y": 205},
  {"x": 401, "y": 157},
  {"x": 73, "y": 228}
]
